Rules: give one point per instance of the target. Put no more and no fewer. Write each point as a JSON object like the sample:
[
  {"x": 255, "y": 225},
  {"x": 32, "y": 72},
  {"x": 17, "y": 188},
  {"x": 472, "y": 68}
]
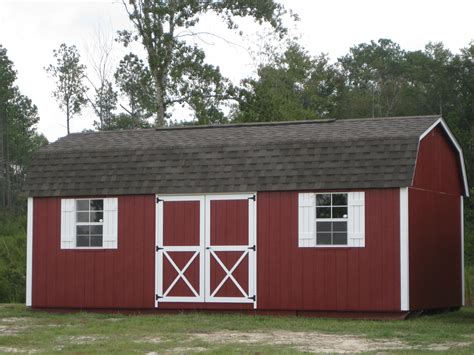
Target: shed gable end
[{"x": 439, "y": 166}]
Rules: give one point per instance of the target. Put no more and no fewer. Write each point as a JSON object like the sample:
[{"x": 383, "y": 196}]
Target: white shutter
[
  {"x": 68, "y": 223},
  {"x": 110, "y": 230},
  {"x": 356, "y": 219},
  {"x": 306, "y": 220}
]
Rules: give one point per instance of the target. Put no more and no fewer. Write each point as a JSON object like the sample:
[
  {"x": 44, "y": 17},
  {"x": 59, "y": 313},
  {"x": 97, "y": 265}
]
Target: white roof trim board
[{"x": 456, "y": 144}]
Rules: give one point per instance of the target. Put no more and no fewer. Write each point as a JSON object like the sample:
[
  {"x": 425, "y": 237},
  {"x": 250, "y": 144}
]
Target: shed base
[{"x": 284, "y": 313}]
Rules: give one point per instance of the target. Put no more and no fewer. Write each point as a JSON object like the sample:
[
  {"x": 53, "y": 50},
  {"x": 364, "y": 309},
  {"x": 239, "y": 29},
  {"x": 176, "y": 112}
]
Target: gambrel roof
[{"x": 297, "y": 155}]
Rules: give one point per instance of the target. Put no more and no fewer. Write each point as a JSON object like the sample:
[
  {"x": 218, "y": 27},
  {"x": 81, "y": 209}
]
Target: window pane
[
  {"x": 323, "y": 199},
  {"x": 323, "y": 238},
  {"x": 82, "y": 217},
  {"x": 339, "y": 226},
  {"x": 323, "y": 226},
  {"x": 82, "y": 205},
  {"x": 82, "y": 241},
  {"x": 339, "y": 199},
  {"x": 96, "y": 230},
  {"x": 339, "y": 212},
  {"x": 323, "y": 212},
  {"x": 339, "y": 238},
  {"x": 96, "y": 241},
  {"x": 82, "y": 230},
  {"x": 97, "y": 205},
  {"x": 97, "y": 216}
]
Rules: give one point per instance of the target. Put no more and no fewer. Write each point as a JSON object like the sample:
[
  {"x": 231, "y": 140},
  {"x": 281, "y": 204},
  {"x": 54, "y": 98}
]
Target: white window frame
[
  {"x": 355, "y": 220},
  {"x": 316, "y": 219},
  {"x": 69, "y": 224},
  {"x": 88, "y": 223}
]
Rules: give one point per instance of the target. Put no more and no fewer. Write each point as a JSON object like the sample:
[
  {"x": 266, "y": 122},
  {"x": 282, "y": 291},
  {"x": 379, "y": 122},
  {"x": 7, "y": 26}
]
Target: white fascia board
[
  {"x": 456, "y": 144},
  {"x": 29, "y": 252}
]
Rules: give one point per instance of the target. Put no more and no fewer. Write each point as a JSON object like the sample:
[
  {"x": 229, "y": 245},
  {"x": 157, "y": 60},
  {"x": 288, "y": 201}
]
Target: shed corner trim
[
  {"x": 29, "y": 252},
  {"x": 404, "y": 252}
]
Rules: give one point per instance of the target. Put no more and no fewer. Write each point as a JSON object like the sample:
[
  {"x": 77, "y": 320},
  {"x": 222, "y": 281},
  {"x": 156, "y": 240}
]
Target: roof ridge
[
  {"x": 251, "y": 124},
  {"x": 245, "y": 144}
]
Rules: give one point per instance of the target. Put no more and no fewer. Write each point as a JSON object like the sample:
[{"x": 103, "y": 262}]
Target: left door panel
[{"x": 180, "y": 249}]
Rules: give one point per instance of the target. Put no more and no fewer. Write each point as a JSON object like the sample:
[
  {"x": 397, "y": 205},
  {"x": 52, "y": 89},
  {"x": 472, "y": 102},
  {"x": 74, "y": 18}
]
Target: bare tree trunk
[
  {"x": 67, "y": 118},
  {"x": 160, "y": 108}
]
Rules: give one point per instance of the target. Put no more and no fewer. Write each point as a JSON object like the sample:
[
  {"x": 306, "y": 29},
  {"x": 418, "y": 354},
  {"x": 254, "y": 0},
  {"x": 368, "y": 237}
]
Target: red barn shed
[{"x": 361, "y": 215}]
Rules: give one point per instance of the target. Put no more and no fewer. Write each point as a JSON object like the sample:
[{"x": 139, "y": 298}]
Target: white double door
[{"x": 206, "y": 249}]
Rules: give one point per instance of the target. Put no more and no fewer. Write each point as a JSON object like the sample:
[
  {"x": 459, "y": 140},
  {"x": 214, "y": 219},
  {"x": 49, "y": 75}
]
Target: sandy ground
[{"x": 314, "y": 342}]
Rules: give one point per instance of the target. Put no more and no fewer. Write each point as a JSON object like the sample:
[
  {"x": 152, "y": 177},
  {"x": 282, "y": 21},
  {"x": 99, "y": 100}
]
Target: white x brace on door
[
  {"x": 206, "y": 249},
  {"x": 174, "y": 242}
]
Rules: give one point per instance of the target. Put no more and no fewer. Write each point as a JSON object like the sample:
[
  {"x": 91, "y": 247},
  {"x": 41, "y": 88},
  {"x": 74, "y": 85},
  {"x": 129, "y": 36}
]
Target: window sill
[
  {"x": 91, "y": 248},
  {"x": 330, "y": 247}
]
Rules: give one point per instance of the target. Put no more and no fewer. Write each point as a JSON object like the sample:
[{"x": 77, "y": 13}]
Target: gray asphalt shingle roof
[{"x": 328, "y": 154}]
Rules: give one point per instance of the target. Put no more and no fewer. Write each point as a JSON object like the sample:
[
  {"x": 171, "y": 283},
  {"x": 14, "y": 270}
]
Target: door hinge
[
  {"x": 252, "y": 198},
  {"x": 157, "y": 297},
  {"x": 158, "y": 200},
  {"x": 252, "y": 298},
  {"x": 158, "y": 248},
  {"x": 251, "y": 248}
]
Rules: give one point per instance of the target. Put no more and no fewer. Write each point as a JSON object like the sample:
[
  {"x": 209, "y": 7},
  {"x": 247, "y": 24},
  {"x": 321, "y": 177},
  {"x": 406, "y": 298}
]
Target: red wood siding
[
  {"x": 229, "y": 226},
  {"x": 181, "y": 227},
  {"x": 344, "y": 279},
  {"x": 121, "y": 278},
  {"x": 437, "y": 165},
  {"x": 435, "y": 225},
  {"x": 434, "y": 250}
]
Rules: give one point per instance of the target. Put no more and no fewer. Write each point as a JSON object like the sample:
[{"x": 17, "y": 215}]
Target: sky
[{"x": 30, "y": 30}]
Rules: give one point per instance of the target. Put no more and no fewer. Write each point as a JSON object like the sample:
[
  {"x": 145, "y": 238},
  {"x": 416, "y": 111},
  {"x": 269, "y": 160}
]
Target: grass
[
  {"x": 23, "y": 330},
  {"x": 469, "y": 285}
]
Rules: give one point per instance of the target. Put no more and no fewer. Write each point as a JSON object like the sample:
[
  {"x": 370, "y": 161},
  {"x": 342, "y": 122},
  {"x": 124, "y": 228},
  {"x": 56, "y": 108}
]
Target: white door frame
[
  {"x": 248, "y": 250},
  {"x": 205, "y": 251},
  {"x": 162, "y": 252}
]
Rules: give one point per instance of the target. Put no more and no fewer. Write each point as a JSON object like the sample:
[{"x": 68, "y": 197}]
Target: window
[
  {"x": 89, "y": 223},
  {"x": 331, "y": 219}
]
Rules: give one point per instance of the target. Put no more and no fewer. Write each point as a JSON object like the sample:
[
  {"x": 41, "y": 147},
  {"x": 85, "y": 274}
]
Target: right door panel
[{"x": 230, "y": 248}]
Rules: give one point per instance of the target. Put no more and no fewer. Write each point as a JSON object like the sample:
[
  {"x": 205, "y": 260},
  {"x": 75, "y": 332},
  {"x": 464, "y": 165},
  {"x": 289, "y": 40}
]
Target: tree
[
  {"x": 104, "y": 99},
  {"x": 373, "y": 73},
  {"x": 134, "y": 81},
  {"x": 293, "y": 86},
  {"x": 125, "y": 121},
  {"x": 69, "y": 75},
  {"x": 104, "y": 104},
  {"x": 19, "y": 139},
  {"x": 7, "y": 78},
  {"x": 177, "y": 69}
]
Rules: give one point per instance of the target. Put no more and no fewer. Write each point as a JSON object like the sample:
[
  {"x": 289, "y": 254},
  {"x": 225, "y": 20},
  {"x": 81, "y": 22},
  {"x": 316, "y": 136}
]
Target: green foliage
[
  {"x": 134, "y": 81},
  {"x": 126, "y": 121},
  {"x": 294, "y": 86},
  {"x": 104, "y": 104},
  {"x": 469, "y": 284},
  {"x": 18, "y": 136},
  {"x": 12, "y": 257},
  {"x": 178, "y": 72},
  {"x": 69, "y": 75}
]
